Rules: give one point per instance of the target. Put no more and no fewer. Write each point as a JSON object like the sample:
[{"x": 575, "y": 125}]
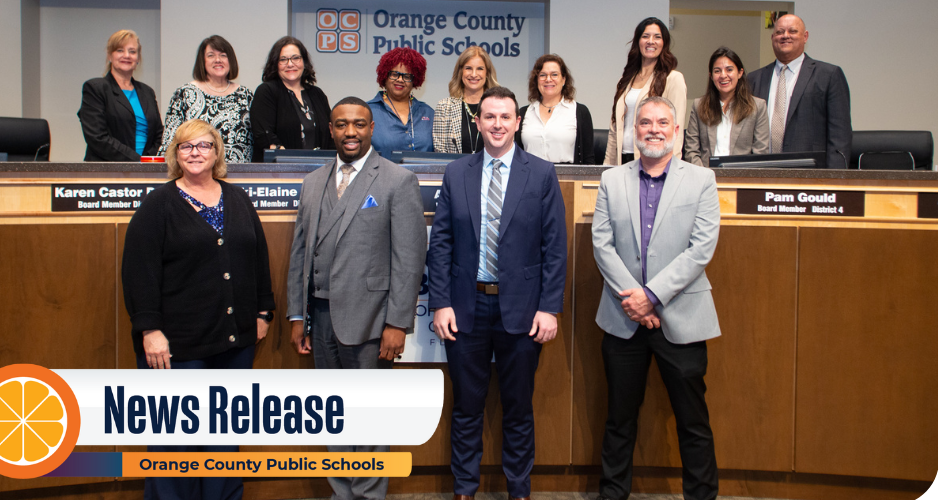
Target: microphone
[
  {"x": 36, "y": 157},
  {"x": 846, "y": 163}
]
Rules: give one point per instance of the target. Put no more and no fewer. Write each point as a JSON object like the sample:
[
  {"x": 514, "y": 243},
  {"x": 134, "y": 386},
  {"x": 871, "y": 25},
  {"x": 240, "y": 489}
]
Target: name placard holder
[{"x": 801, "y": 202}]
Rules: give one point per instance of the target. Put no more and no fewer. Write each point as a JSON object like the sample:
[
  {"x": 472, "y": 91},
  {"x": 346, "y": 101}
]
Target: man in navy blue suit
[{"x": 497, "y": 263}]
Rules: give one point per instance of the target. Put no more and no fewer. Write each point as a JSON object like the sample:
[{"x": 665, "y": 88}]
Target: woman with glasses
[
  {"x": 213, "y": 97},
  {"x": 454, "y": 126},
  {"x": 555, "y": 127},
  {"x": 119, "y": 115},
  {"x": 196, "y": 282},
  {"x": 289, "y": 111},
  {"x": 649, "y": 71},
  {"x": 402, "y": 123}
]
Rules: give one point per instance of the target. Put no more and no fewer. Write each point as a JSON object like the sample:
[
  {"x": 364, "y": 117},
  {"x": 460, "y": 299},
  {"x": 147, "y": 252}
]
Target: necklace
[
  {"x": 222, "y": 91},
  {"x": 410, "y": 118},
  {"x": 473, "y": 141}
]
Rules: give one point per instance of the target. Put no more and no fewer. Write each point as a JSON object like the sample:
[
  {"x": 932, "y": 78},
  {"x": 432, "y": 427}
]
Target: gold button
[
  {"x": 231, "y": 338},
  {"x": 227, "y": 276},
  {"x": 221, "y": 241},
  {"x": 230, "y": 310}
]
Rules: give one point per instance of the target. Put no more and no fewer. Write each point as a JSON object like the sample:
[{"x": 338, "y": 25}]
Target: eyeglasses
[
  {"x": 203, "y": 147},
  {"x": 545, "y": 76},
  {"x": 295, "y": 59},
  {"x": 394, "y": 75}
]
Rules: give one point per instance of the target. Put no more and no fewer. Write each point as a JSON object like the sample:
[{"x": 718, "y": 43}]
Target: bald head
[{"x": 789, "y": 38}]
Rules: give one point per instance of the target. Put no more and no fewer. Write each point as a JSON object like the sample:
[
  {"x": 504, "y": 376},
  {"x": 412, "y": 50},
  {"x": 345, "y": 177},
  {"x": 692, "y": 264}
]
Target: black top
[
  {"x": 109, "y": 124},
  {"x": 274, "y": 119},
  {"x": 201, "y": 289},
  {"x": 583, "y": 148},
  {"x": 471, "y": 138}
]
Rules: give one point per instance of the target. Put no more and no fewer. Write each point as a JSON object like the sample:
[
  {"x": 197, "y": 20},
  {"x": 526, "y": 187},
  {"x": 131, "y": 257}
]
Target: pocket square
[{"x": 369, "y": 202}]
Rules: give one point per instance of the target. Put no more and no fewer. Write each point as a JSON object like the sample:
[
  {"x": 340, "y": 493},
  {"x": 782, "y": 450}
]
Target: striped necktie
[{"x": 494, "y": 213}]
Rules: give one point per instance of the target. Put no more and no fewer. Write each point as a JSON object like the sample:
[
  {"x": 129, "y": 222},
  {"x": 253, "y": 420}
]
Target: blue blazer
[{"x": 532, "y": 243}]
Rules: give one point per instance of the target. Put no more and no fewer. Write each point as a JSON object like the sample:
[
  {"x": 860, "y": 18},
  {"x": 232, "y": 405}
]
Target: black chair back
[
  {"x": 892, "y": 150},
  {"x": 25, "y": 139},
  {"x": 600, "y": 136}
]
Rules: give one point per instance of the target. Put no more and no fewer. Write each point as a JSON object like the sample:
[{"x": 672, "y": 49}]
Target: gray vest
[{"x": 330, "y": 213}]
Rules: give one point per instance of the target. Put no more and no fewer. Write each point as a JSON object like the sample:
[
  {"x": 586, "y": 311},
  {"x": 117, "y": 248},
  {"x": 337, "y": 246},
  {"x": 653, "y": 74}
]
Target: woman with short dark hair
[
  {"x": 289, "y": 111},
  {"x": 213, "y": 97},
  {"x": 555, "y": 127}
]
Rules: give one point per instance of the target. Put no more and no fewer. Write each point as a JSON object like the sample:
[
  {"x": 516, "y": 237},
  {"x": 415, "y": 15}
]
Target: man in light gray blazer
[
  {"x": 655, "y": 228},
  {"x": 356, "y": 264}
]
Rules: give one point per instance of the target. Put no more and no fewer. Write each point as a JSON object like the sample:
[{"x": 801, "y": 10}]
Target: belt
[{"x": 488, "y": 288}]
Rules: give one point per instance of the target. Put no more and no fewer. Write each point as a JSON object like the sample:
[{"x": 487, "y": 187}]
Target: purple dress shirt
[{"x": 649, "y": 194}]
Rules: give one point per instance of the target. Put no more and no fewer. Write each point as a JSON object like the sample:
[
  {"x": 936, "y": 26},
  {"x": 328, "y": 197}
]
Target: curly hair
[
  {"x": 568, "y": 92},
  {"x": 188, "y": 131},
  {"x": 410, "y": 58},
  {"x": 271, "y": 72}
]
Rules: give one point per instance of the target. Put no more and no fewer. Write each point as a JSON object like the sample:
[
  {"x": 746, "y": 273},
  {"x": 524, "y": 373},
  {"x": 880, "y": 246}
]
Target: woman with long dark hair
[
  {"x": 728, "y": 119},
  {"x": 649, "y": 71}
]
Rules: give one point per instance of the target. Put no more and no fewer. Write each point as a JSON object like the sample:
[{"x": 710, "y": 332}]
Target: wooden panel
[
  {"x": 58, "y": 295},
  {"x": 750, "y": 374},
  {"x": 866, "y": 353}
]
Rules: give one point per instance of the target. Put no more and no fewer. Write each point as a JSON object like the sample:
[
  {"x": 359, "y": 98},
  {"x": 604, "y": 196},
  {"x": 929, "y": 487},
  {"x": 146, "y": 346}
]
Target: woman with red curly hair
[{"x": 402, "y": 123}]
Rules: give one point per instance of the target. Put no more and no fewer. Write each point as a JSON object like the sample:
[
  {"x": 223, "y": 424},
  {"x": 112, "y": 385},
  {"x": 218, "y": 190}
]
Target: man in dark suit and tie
[
  {"x": 497, "y": 264},
  {"x": 809, "y": 109},
  {"x": 356, "y": 264}
]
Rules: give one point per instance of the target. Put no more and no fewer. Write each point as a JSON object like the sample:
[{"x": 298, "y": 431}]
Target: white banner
[
  {"x": 346, "y": 39},
  {"x": 256, "y": 407}
]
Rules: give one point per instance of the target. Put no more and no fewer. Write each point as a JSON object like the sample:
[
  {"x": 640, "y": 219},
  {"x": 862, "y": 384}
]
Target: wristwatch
[{"x": 268, "y": 316}]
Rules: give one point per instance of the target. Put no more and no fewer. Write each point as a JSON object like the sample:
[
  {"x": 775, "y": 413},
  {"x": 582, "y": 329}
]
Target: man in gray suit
[
  {"x": 809, "y": 109},
  {"x": 357, "y": 261},
  {"x": 655, "y": 228}
]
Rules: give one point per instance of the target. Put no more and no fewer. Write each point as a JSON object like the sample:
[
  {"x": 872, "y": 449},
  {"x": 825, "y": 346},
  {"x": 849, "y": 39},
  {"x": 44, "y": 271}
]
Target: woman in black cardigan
[
  {"x": 119, "y": 116},
  {"x": 289, "y": 111},
  {"x": 196, "y": 280},
  {"x": 555, "y": 127}
]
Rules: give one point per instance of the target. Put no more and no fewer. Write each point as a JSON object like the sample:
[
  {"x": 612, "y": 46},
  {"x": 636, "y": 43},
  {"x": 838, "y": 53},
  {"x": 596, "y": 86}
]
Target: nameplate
[
  {"x": 801, "y": 202},
  {"x": 928, "y": 205},
  {"x": 267, "y": 197},
  {"x": 99, "y": 197}
]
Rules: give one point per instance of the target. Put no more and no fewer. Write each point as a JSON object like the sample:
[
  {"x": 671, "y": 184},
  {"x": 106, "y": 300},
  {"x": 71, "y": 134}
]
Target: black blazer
[
  {"x": 818, "y": 118},
  {"x": 274, "y": 120},
  {"x": 583, "y": 147},
  {"x": 109, "y": 124}
]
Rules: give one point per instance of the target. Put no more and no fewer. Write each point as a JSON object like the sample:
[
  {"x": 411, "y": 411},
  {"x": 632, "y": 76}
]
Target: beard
[{"x": 666, "y": 148}]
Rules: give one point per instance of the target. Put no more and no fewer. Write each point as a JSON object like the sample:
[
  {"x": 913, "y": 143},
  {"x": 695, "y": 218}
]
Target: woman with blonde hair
[
  {"x": 454, "y": 127},
  {"x": 196, "y": 281},
  {"x": 119, "y": 115}
]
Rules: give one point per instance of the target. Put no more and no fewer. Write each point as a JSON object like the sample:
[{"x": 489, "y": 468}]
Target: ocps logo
[{"x": 338, "y": 30}]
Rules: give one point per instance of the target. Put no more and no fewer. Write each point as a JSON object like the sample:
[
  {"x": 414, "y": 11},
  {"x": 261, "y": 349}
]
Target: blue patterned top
[{"x": 215, "y": 216}]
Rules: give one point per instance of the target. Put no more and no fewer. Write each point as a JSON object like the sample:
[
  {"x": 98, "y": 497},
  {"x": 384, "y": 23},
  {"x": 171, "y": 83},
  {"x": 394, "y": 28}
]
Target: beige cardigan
[{"x": 675, "y": 90}]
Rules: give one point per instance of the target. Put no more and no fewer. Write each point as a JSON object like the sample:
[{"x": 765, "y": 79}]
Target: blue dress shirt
[
  {"x": 483, "y": 274},
  {"x": 392, "y": 135}
]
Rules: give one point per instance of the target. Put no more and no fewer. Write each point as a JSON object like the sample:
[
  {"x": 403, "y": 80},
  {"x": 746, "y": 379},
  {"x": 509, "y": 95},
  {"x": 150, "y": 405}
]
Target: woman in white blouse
[
  {"x": 649, "y": 71},
  {"x": 555, "y": 127},
  {"x": 728, "y": 119}
]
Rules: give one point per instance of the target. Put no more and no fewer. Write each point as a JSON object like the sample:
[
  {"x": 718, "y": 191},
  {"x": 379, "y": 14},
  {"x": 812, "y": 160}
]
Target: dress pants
[
  {"x": 329, "y": 353},
  {"x": 195, "y": 488},
  {"x": 470, "y": 360},
  {"x": 682, "y": 368}
]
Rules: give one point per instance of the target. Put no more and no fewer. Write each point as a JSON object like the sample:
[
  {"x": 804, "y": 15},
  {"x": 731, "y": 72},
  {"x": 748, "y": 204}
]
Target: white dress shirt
[
  {"x": 357, "y": 165},
  {"x": 628, "y": 135},
  {"x": 554, "y": 141},
  {"x": 791, "y": 78},
  {"x": 722, "y": 147}
]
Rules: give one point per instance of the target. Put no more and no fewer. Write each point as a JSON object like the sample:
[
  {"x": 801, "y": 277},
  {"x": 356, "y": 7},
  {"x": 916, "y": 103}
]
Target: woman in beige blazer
[
  {"x": 649, "y": 70},
  {"x": 728, "y": 119}
]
